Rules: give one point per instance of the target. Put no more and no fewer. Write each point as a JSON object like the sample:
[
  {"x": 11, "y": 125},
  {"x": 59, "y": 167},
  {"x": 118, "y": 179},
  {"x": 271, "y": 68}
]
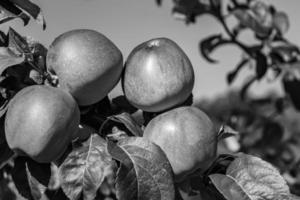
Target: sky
[{"x": 130, "y": 22}]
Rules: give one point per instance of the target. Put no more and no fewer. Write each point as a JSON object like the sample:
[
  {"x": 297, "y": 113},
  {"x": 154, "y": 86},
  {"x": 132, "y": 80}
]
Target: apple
[
  {"x": 40, "y": 122},
  {"x": 157, "y": 76},
  {"x": 87, "y": 64},
  {"x": 188, "y": 138}
]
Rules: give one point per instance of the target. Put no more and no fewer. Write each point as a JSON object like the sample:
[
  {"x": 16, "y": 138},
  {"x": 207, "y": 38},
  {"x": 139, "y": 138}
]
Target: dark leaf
[
  {"x": 40, "y": 171},
  {"x": 56, "y": 194},
  {"x": 9, "y": 58},
  {"x": 126, "y": 120},
  {"x": 261, "y": 65},
  {"x": 207, "y": 45},
  {"x": 39, "y": 52},
  {"x": 28, "y": 6},
  {"x": 231, "y": 75},
  {"x": 2, "y": 131},
  {"x": 258, "y": 178},
  {"x": 148, "y": 116},
  {"x": 85, "y": 168},
  {"x": 178, "y": 196},
  {"x": 3, "y": 38},
  {"x": 280, "y": 104},
  {"x": 19, "y": 176},
  {"x": 9, "y": 11},
  {"x": 103, "y": 107},
  {"x": 188, "y": 10},
  {"x": 228, "y": 187},
  {"x": 21, "y": 9},
  {"x": 244, "y": 89},
  {"x": 6, "y": 154},
  {"x": 122, "y": 104},
  {"x": 158, "y": 2},
  {"x": 220, "y": 165},
  {"x": 145, "y": 172},
  {"x": 36, "y": 189},
  {"x": 6, "y": 192},
  {"x": 291, "y": 87}
]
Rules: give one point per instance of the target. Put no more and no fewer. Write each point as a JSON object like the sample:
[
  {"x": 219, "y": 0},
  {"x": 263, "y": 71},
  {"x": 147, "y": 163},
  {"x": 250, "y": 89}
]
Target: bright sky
[{"x": 130, "y": 22}]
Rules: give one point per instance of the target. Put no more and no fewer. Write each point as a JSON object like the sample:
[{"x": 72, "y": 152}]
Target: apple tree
[{"x": 63, "y": 138}]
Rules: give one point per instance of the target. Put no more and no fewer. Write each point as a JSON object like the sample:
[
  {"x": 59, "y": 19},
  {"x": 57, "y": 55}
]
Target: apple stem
[{"x": 51, "y": 79}]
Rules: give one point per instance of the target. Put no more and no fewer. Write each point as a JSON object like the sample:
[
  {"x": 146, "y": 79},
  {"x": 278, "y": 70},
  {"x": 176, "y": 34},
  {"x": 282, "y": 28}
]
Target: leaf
[
  {"x": 85, "y": 168},
  {"x": 257, "y": 17},
  {"x": 28, "y": 6},
  {"x": 40, "y": 171},
  {"x": 26, "y": 185},
  {"x": 8, "y": 11},
  {"x": 188, "y": 10},
  {"x": 122, "y": 104},
  {"x": 285, "y": 53},
  {"x": 17, "y": 43},
  {"x": 21, "y": 9},
  {"x": 261, "y": 65},
  {"x": 246, "y": 86},
  {"x": 56, "y": 194},
  {"x": 39, "y": 53},
  {"x": 207, "y": 45},
  {"x": 145, "y": 172},
  {"x": 228, "y": 187},
  {"x": 6, "y": 191},
  {"x": 220, "y": 165},
  {"x": 291, "y": 87},
  {"x": 231, "y": 75},
  {"x": 158, "y": 2},
  {"x": 126, "y": 120},
  {"x": 281, "y": 22},
  {"x": 3, "y": 38},
  {"x": 258, "y": 178},
  {"x": 36, "y": 189},
  {"x": 8, "y": 58}
]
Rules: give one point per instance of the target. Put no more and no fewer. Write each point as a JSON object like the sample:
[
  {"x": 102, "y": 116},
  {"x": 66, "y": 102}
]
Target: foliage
[
  {"x": 266, "y": 127},
  {"x": 115, "y": 162},
  {"x": 270, "y": 52}
]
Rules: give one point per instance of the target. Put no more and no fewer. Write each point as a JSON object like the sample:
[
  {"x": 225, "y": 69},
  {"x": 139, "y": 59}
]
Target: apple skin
[
  {"x": 87, "y": 63},
  {"x": 187, "y": 136},
  {"x": 158, "y": 75},
  {"x": 40, "y": 122}
]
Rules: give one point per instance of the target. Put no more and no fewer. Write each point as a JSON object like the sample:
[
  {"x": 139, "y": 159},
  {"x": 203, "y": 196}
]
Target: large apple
[
  {"x": 158, "y": 75},
  {"x": 40, "y": 122},
  {"x": 187, "y": 136},
  {"x": 87, "y": 63}
]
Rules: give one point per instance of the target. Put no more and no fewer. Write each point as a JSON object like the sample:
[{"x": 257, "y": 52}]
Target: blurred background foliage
[{"x": 268, "y": 125}]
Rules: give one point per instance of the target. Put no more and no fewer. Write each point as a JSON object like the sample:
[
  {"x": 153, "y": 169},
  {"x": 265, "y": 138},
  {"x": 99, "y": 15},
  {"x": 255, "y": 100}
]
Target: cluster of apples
[{"x": 42, "y": 120}]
